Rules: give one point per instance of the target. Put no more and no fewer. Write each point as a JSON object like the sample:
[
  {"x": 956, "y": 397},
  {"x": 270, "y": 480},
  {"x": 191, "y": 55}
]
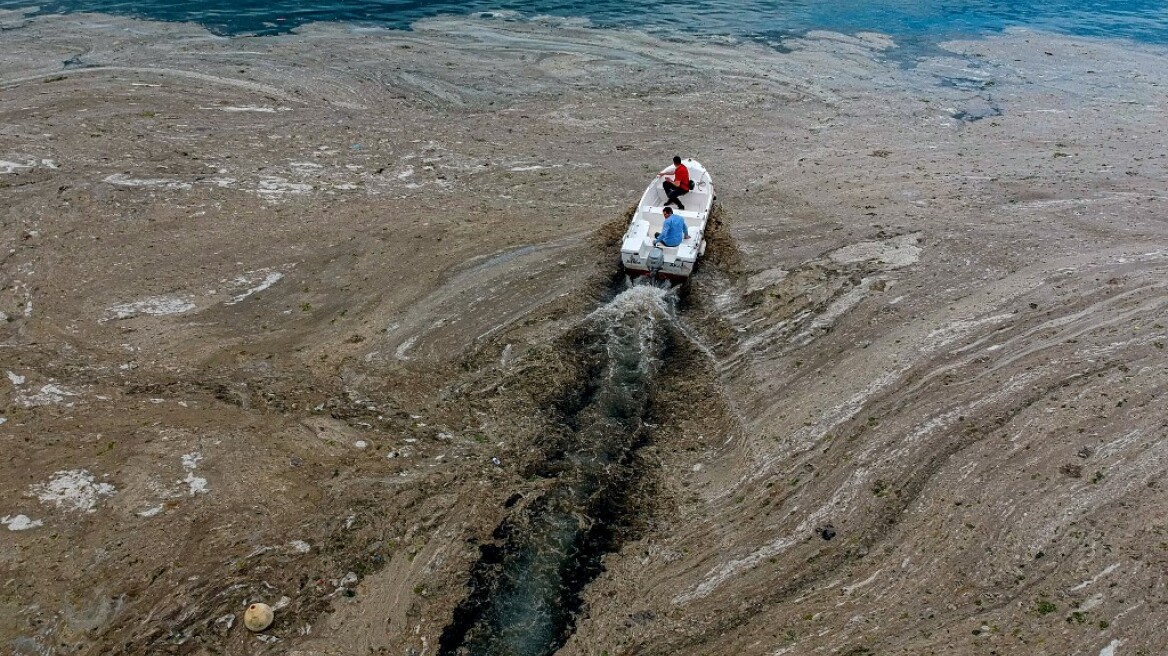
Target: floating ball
[{"x": 258, "y": 617}]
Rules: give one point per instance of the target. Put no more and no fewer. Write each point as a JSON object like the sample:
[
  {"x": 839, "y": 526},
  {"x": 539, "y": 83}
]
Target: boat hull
[{"x": 676, "y": 263}]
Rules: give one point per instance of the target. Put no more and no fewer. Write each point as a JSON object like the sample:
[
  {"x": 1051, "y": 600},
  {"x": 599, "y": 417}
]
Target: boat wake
[{"x": 525, "y": 590}]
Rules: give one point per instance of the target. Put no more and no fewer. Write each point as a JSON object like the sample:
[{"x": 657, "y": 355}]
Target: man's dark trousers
[{"x": 673, "y": 191}]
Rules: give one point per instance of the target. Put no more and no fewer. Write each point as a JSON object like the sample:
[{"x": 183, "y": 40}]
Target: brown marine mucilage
[{"x": 230, "y": 261}]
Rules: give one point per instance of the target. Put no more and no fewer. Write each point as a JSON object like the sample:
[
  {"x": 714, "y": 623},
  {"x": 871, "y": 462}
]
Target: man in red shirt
[{"x": 680, "y": 185}]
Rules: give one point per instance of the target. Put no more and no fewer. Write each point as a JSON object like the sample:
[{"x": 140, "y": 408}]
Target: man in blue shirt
[{"x": 673, "y": 231}]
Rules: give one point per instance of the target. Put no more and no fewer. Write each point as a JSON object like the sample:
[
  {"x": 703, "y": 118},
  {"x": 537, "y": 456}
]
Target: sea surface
[{"x": 911, "y": 22}]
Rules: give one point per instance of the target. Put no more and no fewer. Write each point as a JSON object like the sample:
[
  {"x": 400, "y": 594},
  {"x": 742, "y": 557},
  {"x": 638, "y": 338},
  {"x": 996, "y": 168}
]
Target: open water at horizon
[{"x": 911, "y": 22}]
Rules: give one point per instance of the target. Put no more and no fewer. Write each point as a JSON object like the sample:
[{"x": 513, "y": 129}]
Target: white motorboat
[{"x": 641, "y": 257}]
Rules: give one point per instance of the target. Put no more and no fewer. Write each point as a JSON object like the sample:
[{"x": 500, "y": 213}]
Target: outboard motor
[{"x": 656, "y": 260}]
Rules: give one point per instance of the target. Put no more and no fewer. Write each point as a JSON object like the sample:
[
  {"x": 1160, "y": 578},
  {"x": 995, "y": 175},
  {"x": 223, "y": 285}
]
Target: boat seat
[{"x": 657, "y": 209}]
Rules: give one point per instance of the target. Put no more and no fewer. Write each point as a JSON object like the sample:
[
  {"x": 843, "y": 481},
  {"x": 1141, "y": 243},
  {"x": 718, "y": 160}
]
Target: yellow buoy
[{"x": 258, "y": 617}]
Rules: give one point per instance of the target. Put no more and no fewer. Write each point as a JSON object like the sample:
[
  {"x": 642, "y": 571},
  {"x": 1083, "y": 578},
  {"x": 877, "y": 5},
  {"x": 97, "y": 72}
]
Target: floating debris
[
  {"x": 20, "y": 522},
  {"x": 197, "y": 484},
  {"x": 49, "y": 394},
  {"x": 258, "y": 617},
  {"x": 75, "y": 490},
  {"x": 154, "y": 306}
]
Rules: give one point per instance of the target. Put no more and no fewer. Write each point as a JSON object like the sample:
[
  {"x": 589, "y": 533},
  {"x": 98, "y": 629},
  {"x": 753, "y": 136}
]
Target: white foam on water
[
  {"x": 251, "y": 108},
  {"x": 27, "y": 301},
  {"x": 74, "y": 490},
  {"x": 15, "y": 167},
  {"x": 150, "y": 512},
  {"x": 20, "y": 522},
  {"x": 894, "y": 253},
  {"x": 401, "y": 350},
  {"x": 196, "y": 484},
  {"x": 1107, "y": 570},
  {"x": 47, "y": 395},
  {"x": 1109, "y": 650},
  {"x": 635, "y": 299},
  {"x": 299, "y": 546},
  {"x": 497, "y": 14},
  {"x": 838, "y": 308},
  {"x": 155, "y": 306},
  {"x": 1093, "y": 602},
  {"x": 15, "y": 379},
  {"x": 721, "y": 574},
  {"x": 3, "y": 420},
  {"x": 270, "y": 279},
  {"x": 12, "y": 167},
  {"x": 273, "y": 185},
  {"x": 123, "y": 180}
]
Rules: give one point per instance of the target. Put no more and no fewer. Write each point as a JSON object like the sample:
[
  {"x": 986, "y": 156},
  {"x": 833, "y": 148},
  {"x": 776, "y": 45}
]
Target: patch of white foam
[
  {"x": 274, "y": 186},
  {"x": 299, "y": 546},
  {"x": 400, "y": 352},
  {"x": 47, "y": 395},
  {"x": 155, "y": 305},
  {"x": 74, "y": 490},
  {"x": 721, "y": 574},
  {"x": 196, "y": 484},
  {"x": 251, "y": 108},
  {"x": 766, "y": 278},
  {"x": 894, "y": 253},
  {"x": 497, "y": 14},
  {"x": 959, "y": 328},
  {"x": 849, "y": 589},
  {"x": 1109, "y": 569},
  {"x": 3, "y": 420},
  {"x": 270, "y": 279},
  {"x": 15, "y": 379},
  {"x": 1094, "y": 602},
  {"x": 1118, "y": 445},
  {"x": 633, "y": 300},
  {"x": 361, "y": 444},
  {"x": 20, "y": 522},
  {"x": 27, "y": 299},
  {"x": 123, "y": 180},
  {"x": 152, "y": 511},
  {"x": 834, "y": 311},
  {"x": 1109, "y": 650},
  {"x": 12, "y": 167}
]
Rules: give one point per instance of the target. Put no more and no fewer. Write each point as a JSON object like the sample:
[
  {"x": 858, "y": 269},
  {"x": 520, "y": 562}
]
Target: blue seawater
[{"x": 919, "y": 22}]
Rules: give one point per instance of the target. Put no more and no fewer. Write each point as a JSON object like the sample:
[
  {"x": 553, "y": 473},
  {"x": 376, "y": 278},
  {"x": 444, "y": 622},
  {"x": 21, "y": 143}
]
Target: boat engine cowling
[{"x": 655, "y": 260}]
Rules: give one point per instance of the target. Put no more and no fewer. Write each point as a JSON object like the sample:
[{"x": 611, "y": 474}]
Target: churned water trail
[{"x": 525, "y": 590}]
